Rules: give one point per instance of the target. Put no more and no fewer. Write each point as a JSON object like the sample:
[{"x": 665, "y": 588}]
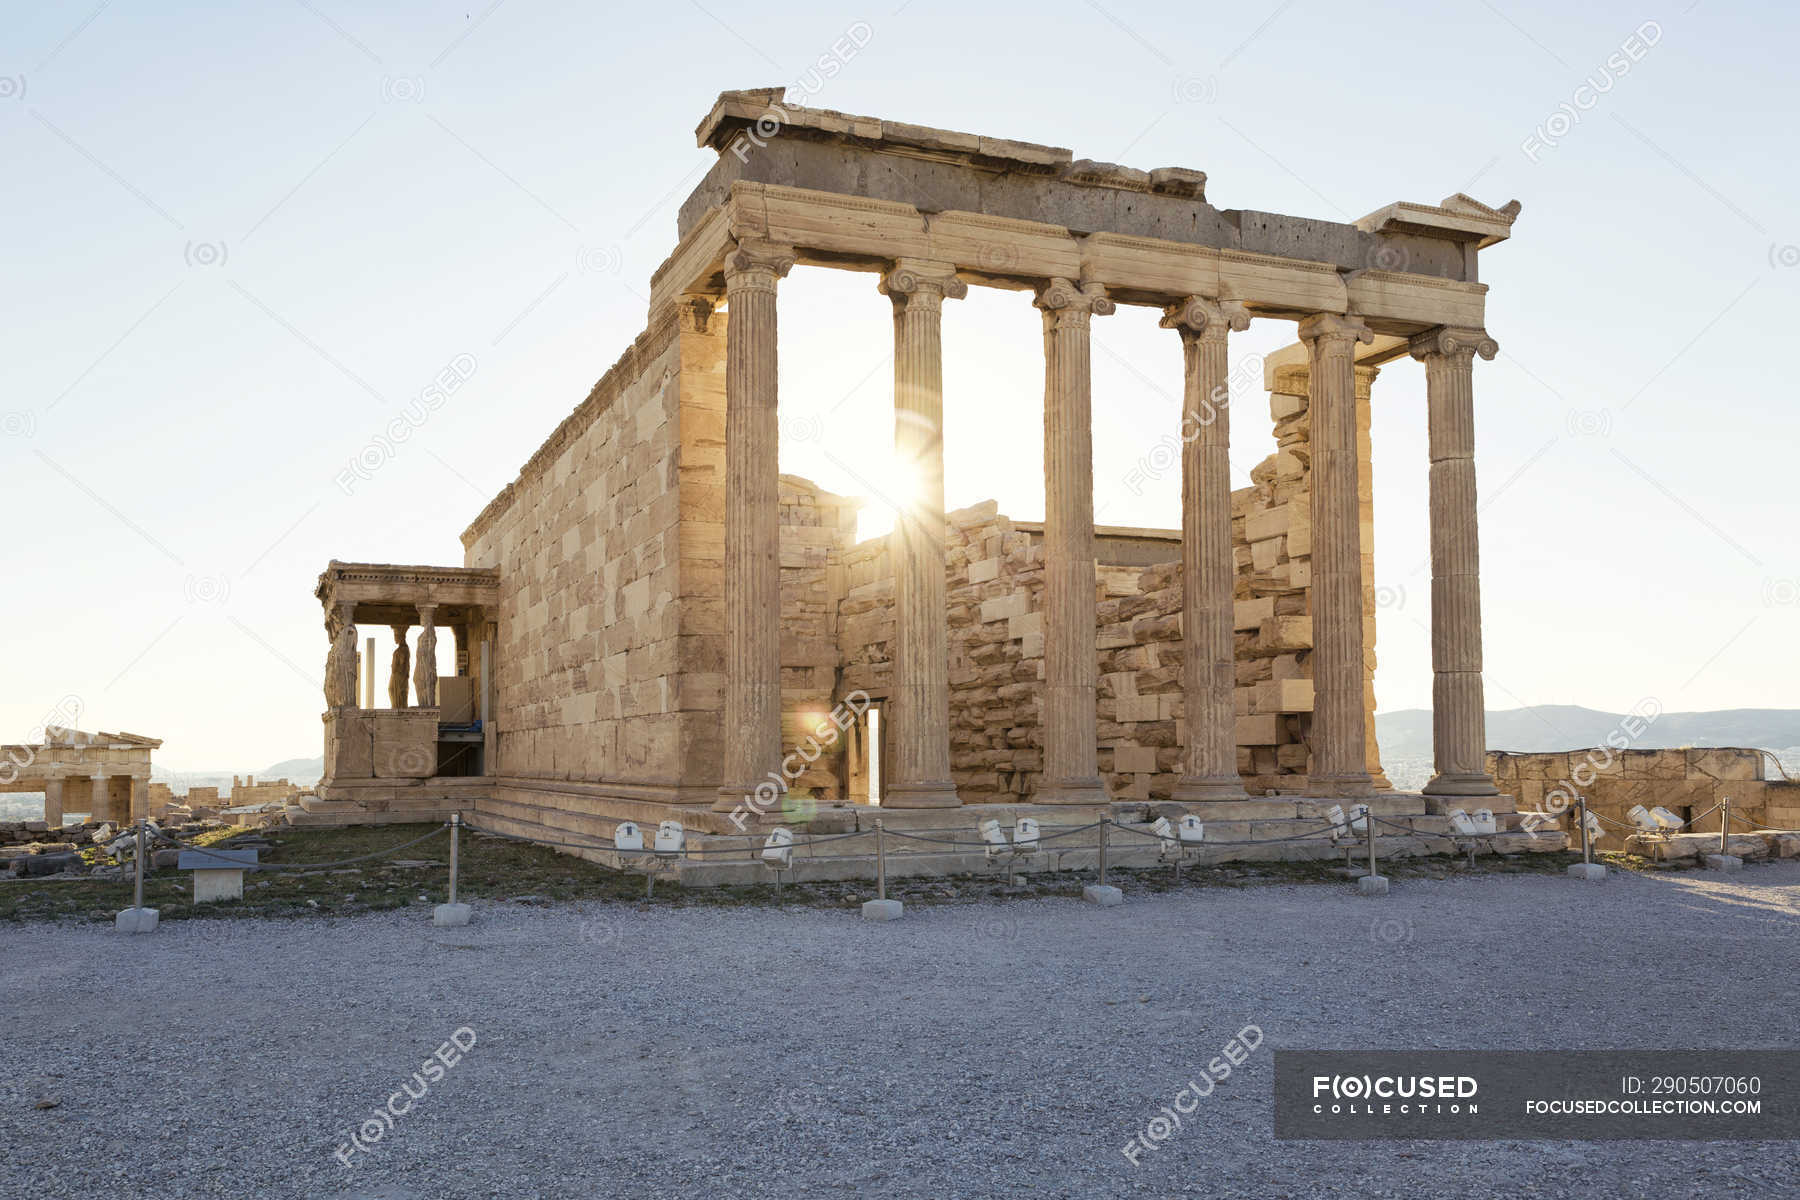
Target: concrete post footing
[
  {"x": 136, "y": 920},
  {"x": 1372, "y": 885},
  {"x": 451, "y": 914},
  {"x": 883, "y": 910},
  {"x": 1724, "y": 862},
  {"x": 1102, "y": 895},
  {"x": 1586, "y": 871}
]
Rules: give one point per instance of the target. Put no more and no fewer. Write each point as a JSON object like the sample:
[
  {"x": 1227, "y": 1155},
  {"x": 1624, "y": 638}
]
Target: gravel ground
[{"x": 969, "y": 1050}]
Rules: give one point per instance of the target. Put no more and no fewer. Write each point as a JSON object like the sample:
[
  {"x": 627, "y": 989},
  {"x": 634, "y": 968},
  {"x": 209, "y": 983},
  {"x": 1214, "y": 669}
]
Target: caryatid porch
[
  {"x": 932, "y": 211},
  {"x": 442, "y": 729}
]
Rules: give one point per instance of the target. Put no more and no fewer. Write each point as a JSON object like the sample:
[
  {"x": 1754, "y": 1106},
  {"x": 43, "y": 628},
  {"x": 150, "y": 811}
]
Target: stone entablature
[{"x": 943, "y": 178}]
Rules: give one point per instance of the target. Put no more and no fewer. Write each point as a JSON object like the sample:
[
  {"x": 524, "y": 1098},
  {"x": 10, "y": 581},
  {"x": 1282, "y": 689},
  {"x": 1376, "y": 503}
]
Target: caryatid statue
[
  {"x": 425, "y": 670},
  {"x": 333, "y": 697},
  {"x": 341, "y": 688},
  {"x": 398, "y": 669}
]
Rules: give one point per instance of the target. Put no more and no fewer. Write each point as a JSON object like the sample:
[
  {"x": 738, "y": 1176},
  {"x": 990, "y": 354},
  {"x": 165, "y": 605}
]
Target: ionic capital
[
  {"x": 1065, "y": 302},
  {"x": 1204, "y": 317},
  {"x": 1448, "y": 342},
  {"x": 756, "y": 265},
  {"x": 1334, "y": 332},
  {"x": 916, "y": 283}
]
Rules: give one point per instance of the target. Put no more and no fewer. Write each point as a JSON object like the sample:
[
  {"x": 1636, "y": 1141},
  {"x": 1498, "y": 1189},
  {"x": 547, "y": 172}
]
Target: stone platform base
[
  {"x": 1750, "y": 847},
  {"x": 387, "y": 802},
  {"x": 1236, "y": 831}
]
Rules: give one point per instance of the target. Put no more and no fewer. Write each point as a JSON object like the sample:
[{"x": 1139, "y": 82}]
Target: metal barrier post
[
  {"x": 455, "y": 839},
  {"x": 1104, "y": 822},
  {"x": 1369, "y": 824},
  {"x": 880, "y": 863},
  {"x": 1725, "y": 827},
  {"x": 1587, "y": 852},
  {"x": 138, "y": 893}
]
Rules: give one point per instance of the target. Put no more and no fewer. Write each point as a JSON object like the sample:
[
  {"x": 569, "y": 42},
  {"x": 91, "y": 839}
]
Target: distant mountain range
[{"x": 1551, "y": 727}]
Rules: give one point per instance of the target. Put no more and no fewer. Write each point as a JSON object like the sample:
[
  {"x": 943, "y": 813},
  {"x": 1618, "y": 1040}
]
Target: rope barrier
[
  {"x": 293, "y": 868},
  {"x": 1640, "y": 829}
]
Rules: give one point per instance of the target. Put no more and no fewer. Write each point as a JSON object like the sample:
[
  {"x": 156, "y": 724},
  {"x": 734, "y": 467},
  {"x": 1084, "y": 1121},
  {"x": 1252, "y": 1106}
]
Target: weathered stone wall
[
  {"x": 249, "y": 791},
  {"x": 586, "y": 678},
  {"x": 1272, "y": 536},
  {"x": 996, "y": 643},
  {"x": 609, "y": 668},
  {"x": 816, "y": 529},
  {"x": 994, "y": 586},
  {"x": 1687, "y": 781}
]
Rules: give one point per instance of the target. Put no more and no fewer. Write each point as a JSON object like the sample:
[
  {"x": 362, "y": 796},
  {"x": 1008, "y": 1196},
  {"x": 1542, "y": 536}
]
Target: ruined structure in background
[
  {"x": 105, "y": 776},
  {"x": 1690, "y": 782},
  {"x": 664, "y": 620}
]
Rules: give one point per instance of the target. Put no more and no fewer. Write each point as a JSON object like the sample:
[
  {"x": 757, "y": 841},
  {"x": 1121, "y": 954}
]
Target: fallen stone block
[
  {"x": 33, "y": 865},
  {"x": 1723, "y": 862}
]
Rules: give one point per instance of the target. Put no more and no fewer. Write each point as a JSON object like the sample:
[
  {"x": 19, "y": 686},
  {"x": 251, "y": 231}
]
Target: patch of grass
[
  {"x": 493, "y": 868},
  {"x": 490, "y": 868}
]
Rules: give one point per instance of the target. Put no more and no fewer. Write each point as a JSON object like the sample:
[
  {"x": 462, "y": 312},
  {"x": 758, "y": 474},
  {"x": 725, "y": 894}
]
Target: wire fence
[{"x": 1357, "y": 830}]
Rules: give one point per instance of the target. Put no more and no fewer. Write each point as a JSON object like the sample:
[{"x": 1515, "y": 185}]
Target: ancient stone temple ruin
[
  {"x": 651, "y": 620},
  {"x": 103, "y": 775}
]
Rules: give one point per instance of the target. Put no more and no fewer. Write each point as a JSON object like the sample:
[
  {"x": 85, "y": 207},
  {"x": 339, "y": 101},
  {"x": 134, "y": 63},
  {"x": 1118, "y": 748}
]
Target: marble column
[
  {"x": 1458, "y": 708},
  {"x": 1071, "y": 661},
  {"x": 100, "y": 805},
  {"x": 1208, "y": 573},
  {"x": 752, "y": 733},
  {"x": 1339, "y": 723},
  {"x": 368, "y": 688},
  {"x": 425, "y": 673},
  {"x": 140, "y": 797},
  {"x": 398, "y": 668},
  {"x": 53, "y": 803},
  {"x": 1365, "y": 507},
  {"x": 920, "y": 701}
]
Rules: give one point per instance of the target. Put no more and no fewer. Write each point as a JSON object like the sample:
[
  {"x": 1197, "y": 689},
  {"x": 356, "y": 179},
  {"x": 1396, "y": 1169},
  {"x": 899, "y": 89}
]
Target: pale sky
[{"x": 241, "y": 239}]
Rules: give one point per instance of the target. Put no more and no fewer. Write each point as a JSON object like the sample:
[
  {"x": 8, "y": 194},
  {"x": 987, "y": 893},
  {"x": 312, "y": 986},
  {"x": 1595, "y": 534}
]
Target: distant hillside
[
  {"x": 1551, "y": 727},
  {"x": 302, "y": 772}
]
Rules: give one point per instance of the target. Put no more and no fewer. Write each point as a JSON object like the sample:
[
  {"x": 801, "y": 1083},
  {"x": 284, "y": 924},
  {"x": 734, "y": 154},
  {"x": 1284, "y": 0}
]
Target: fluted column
[
  {"x": 1208, "y": 662},
  {"x": 1458, "y": 707},
  {"x": 53, "y": 803},
  {"x": 1071, "y": 660},
  {"x": 752, "y": 734},
  {"x": 425, "y": 674},
  {"x": 920, "y": 746},
  {"x": 1339, "y": 721}
]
